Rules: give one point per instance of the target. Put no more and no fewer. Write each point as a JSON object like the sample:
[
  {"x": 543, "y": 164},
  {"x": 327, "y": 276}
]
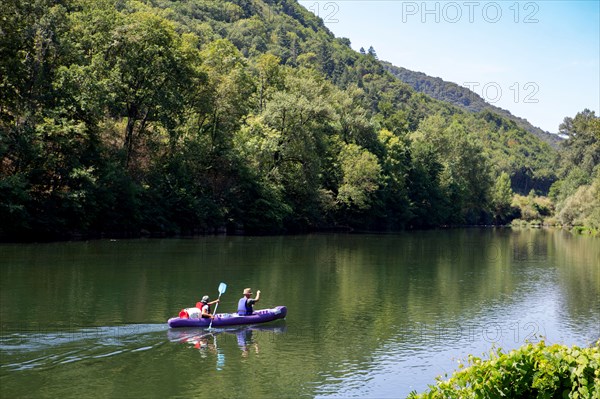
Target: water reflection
[{"x": 207, "y": 341}]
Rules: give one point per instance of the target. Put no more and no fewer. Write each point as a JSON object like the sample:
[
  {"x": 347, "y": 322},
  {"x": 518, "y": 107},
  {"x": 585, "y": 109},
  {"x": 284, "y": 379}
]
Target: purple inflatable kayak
[{"x": 231, "y": 319}]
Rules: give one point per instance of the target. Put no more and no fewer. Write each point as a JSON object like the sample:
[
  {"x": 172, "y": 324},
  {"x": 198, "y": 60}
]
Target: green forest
[{"x": 122, "y": 117}]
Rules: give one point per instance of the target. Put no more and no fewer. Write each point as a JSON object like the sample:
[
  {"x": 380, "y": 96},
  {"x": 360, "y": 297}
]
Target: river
[{"x": 368, "y": 315}]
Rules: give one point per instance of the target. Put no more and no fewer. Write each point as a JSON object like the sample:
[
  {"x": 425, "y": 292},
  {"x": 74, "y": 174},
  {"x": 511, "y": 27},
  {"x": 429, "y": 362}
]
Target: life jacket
[
  {"x": 244, "y": 308},
  {"x": 200, "y": 305}
]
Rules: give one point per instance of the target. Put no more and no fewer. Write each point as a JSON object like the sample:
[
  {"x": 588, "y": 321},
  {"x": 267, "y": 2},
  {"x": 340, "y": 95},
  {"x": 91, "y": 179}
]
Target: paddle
[{"x": 222, "y": 289}]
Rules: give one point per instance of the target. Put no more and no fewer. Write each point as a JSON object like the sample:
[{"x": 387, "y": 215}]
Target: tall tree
[
  {"x": 270, "y": 78},
  {"x": 372, "y": 52},
  {"x": 582, "y": 145},
  {"x": 148, "y": 72},
  {"x": 361, "y": 177},
  {"x": 501, "y": 198},
  {"x": 229, "y": 93},
  {"x": 396, "y": 165}
]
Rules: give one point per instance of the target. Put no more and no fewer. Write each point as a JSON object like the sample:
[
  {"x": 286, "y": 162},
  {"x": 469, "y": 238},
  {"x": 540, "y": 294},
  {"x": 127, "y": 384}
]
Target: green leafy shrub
[
  {"x": 532, "y": 371},
  {"x": 532, "y": 207}
]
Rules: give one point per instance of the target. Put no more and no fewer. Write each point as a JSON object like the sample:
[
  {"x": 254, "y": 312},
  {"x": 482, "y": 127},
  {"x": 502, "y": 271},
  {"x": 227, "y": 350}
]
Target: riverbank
[{"x": 225, "y": 231}]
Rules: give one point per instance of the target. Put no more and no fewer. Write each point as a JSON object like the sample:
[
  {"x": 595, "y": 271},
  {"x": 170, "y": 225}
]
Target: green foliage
[
  {"x": 532, "y": 207},
  {"x": 457, "y": 166},
  {"x": 395, "y": 165},
  {"x": 361, "y": 174},
  {"x": 567, "y": 186},
  {"x": 502, "y": 195},
  {"x": 528, "y": 160},
  {"x": 583, "y": 207},
  {"x": 582, "y": 146},
  {"x": 577, "y": 192},
  {"x": 532, "y": 371},
  {"x": 190, "y": 117}
]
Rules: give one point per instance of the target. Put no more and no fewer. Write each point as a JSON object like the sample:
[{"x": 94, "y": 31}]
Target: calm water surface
[{"x": 368, "y": 315}]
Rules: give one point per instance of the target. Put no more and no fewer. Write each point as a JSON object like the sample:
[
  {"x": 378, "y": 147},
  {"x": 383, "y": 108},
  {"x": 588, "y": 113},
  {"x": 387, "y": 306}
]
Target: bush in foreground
[{"x": 532, "y": 371}]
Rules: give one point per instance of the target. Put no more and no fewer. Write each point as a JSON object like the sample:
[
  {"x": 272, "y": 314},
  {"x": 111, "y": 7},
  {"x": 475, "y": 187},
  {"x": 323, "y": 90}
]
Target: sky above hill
[{"x": 538, "y": 59}]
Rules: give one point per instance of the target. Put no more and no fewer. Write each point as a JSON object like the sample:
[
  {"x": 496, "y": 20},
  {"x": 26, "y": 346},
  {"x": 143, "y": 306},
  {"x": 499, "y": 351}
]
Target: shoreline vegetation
[
  {"x": 535, "y": 370},
  {"x": 537, "y": 224},
  {"x": 179, "y": 118}
]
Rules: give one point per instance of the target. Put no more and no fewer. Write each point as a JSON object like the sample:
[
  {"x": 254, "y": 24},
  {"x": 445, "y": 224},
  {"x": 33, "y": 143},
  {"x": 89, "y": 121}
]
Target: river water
[{"x": 368, "y": 315}]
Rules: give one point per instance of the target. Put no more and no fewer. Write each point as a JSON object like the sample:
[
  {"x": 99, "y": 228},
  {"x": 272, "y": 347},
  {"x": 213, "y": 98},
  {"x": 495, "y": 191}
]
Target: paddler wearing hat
[{"x": 246, "y": 304}]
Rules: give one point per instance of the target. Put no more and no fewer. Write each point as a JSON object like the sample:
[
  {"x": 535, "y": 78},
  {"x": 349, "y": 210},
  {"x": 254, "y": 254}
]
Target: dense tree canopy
[
  {"x": 577, "y": 192},
  {"x": 176, "y": 117}
]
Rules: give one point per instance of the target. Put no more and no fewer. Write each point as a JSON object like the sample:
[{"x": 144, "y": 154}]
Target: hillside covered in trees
[{"x": 183, "y": 117}]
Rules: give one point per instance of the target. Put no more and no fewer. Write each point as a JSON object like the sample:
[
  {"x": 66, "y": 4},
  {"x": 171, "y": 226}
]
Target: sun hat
[{"x": 247, "y": 291}]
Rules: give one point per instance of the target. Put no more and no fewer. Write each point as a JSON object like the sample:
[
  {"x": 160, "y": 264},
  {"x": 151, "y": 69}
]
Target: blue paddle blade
[{"x": 222, "y": 288}]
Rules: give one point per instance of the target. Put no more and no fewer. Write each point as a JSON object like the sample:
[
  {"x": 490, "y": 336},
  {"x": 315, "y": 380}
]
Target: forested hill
[
  {"x": 464, "y": 98},
  {"x": 179, "y": 117}
]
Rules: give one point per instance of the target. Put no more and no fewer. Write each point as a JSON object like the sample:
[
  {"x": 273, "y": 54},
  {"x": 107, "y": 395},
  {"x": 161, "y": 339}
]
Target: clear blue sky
[{"x": 538, "y": 59}]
